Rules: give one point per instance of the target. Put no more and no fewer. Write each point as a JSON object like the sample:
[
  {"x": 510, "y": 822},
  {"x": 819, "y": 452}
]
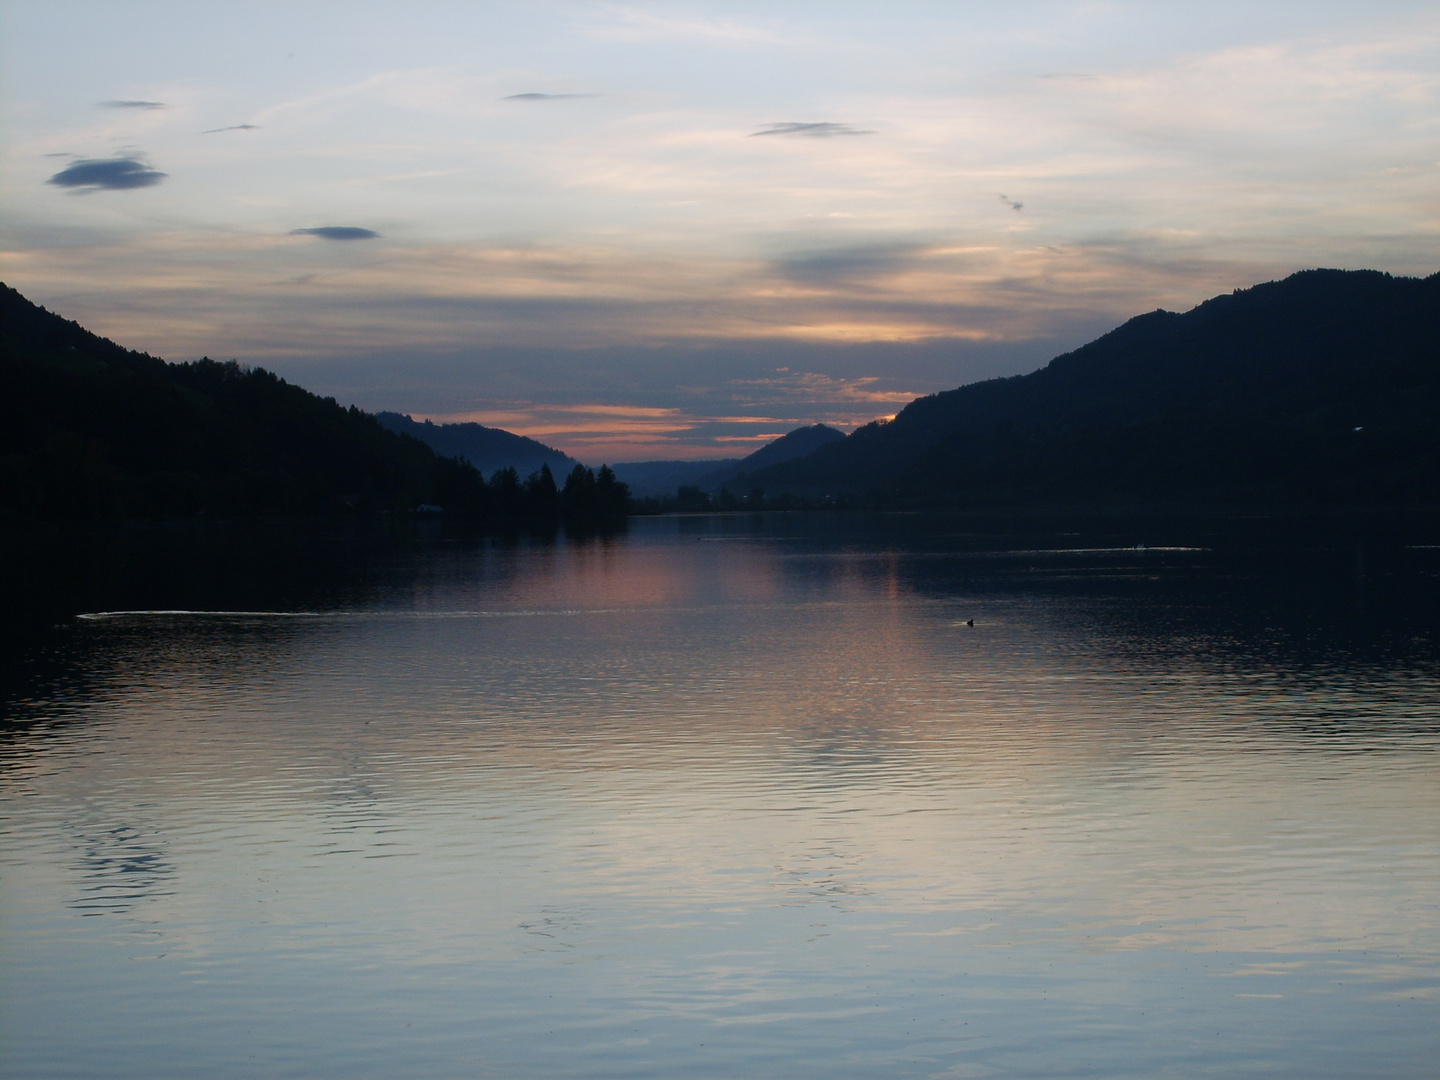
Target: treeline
[
  {"x": 586, "y": 497},
  {"x": 690, "y": 499},
  {"x": 93, "y": 431}
]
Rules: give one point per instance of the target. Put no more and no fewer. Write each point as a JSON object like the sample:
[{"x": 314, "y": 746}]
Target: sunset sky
[{"x": 676, "y": 230}]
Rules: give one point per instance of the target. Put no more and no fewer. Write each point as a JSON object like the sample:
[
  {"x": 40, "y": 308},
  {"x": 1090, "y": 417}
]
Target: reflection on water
[
  {"x": 773, "y": 796},
  {"x": 118, "y": 866}
]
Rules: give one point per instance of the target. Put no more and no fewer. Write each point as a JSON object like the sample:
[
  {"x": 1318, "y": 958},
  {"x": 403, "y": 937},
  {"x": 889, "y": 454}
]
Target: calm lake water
[{"x": 725, "y": 797}]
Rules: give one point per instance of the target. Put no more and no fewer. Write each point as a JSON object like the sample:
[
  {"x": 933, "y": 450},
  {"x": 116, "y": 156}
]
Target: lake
[{"x": 729, "y": 796}]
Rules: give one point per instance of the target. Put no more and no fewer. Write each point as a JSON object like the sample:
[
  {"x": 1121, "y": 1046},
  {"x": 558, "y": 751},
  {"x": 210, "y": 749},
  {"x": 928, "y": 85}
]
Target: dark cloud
[
  {"x": 232, "y": 127},
  {"x": 337, "y": 232},
  {"x": 133, "y": 105},
  {"x": 533, "y": 96},
  {"x": 113, "y": 174},
  {"x": 819, "y": 130},
  {"x": 852, "y": 263},
  {"x": 1012, "y": 203}
]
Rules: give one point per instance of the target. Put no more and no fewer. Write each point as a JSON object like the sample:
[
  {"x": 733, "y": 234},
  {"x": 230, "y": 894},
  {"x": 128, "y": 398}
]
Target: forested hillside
[
  {"x": 1322, "y": 388},
  {"x": 92, "y": 431}
]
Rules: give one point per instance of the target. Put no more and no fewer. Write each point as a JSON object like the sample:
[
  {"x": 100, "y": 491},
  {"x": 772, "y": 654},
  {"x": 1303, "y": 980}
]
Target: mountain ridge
[
  {"x": 92, "y": 430},
  {"x": 791, "y": 445},
  {"x": 486, "y": 448},
  {"x": 1318, "y": 387}
]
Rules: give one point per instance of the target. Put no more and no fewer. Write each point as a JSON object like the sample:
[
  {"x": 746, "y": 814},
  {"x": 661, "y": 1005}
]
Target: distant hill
[
  {"x": 91, "y": 430},
  {"x": 1322, "y": 388},
  {"x": 487, "y": 448},
  {"x": 661, "y": 479},
  {"x": 796, "y": 444}
]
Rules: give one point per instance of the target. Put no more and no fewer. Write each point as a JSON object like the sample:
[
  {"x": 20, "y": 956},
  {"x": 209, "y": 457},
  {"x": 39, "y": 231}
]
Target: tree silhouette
[{"x": 541, "y": 495}]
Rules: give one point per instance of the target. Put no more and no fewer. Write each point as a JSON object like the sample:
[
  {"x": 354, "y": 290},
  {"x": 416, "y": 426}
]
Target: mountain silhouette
[
  {"x": 659, "y": 479},
  {"x": 1320, "y": 388},
  {"x": 487, "y": 448},
  {"x": 796, "y": 444},
  {"x": 91, "y": 430}
]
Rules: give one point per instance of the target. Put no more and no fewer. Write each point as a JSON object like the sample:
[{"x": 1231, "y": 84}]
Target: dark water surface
[{"x": 724, "y": 797}]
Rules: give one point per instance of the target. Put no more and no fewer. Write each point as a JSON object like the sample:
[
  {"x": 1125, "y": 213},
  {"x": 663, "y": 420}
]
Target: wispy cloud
[
  {"x": 536, "y": 96},
  {"x": 814, "y": 387},
  {"x": 824, "y": 129},
  {"x": 110, "y": 174},
  {"x": 1012, "y": 203},
  {"x": 601, "y": 432},
  {"x": 232, "y": 127},
  {"x": 133, "y": 105},
  {"x": 337, "y": 232}
]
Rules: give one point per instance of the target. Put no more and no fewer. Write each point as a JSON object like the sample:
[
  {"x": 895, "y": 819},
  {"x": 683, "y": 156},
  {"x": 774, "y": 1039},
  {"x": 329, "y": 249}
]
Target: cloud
[
  {"x": 232, "y": 127},
  {"x": 112, "y": 174},
  {"x": 337, "y": 232},
  {"x": 815, "y": 387},
  {"x": 133, "y": 105},
  {"x": 1012, "y": 203},
  {"x": 534, "y": 96},
  {"x": 819, "y": 130},
  {"x": 849, "y": 264},
  {"x": 601, "y": 432}
]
